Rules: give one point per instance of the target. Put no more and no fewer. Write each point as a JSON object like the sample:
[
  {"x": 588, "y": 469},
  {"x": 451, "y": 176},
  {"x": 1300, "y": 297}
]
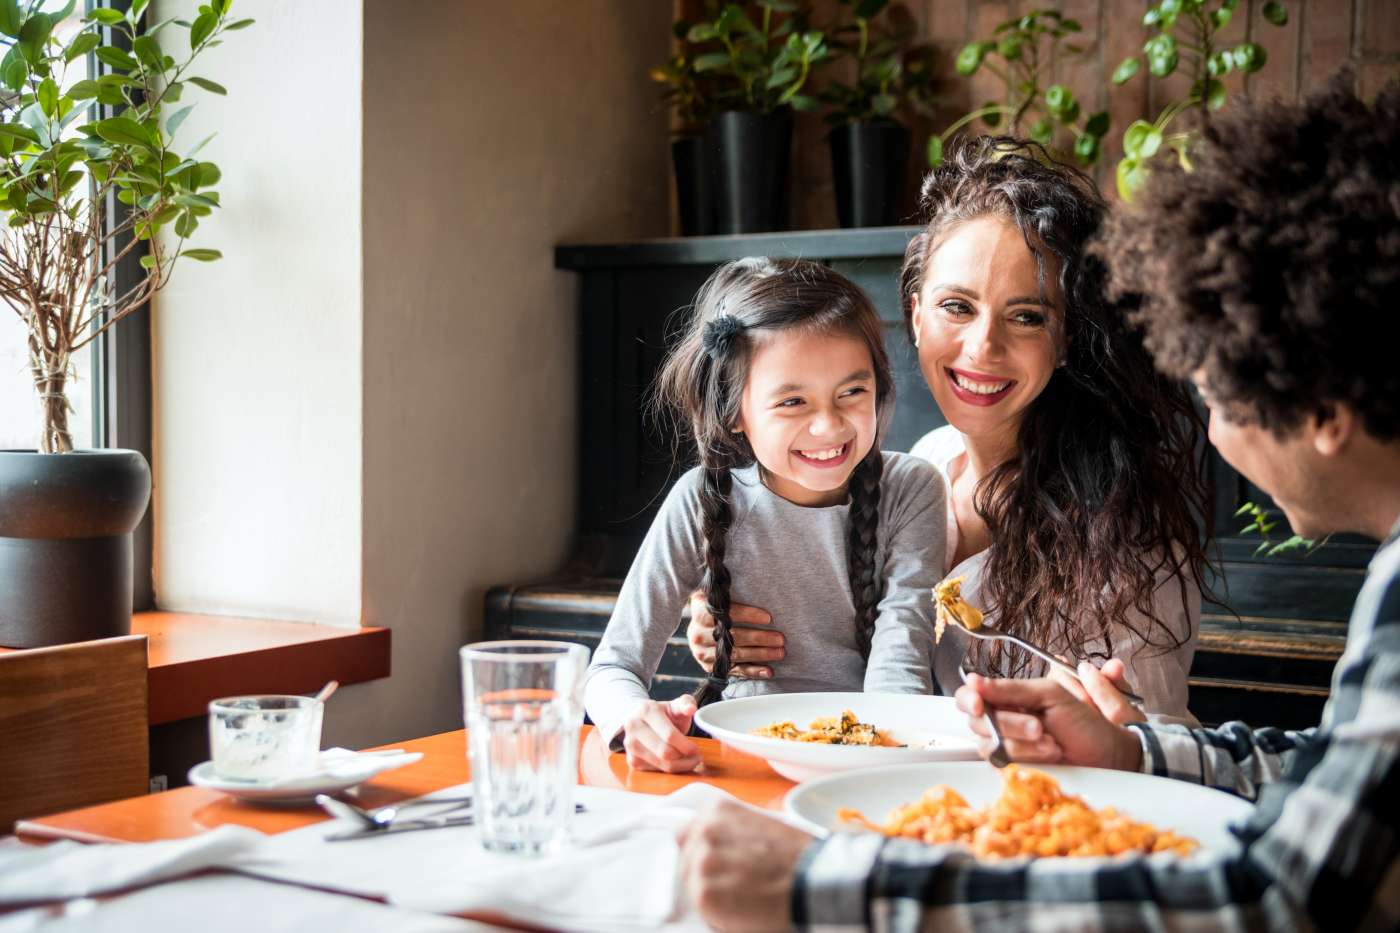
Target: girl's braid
[
  {"x": 716, "y": 516},
  {"x": 865, "y": 523}
]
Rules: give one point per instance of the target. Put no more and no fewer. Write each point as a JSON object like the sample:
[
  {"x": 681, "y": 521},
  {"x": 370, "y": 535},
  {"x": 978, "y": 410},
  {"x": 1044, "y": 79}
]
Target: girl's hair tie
[{"x": 719, "y": 335}]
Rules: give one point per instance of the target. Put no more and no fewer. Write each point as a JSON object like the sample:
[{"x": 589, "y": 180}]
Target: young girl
[{"x": 783, "y": 384}]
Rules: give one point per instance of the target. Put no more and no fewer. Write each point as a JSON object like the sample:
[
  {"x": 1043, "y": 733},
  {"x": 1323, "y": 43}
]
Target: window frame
[{"x": 121, "y": 365}]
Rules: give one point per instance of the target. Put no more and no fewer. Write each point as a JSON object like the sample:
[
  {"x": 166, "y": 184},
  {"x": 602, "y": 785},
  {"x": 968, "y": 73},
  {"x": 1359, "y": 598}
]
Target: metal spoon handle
[{"x": 343, "y": 810}]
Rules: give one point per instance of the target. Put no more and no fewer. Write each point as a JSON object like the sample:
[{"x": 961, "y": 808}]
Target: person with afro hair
[{"x": 1268, "y": 273}]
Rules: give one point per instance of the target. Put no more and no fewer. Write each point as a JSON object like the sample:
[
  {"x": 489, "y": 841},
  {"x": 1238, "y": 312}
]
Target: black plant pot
[
  {"x": 65, "y": 544},
  {"x": 867, "y": 165},
  {"x": 751, "y": 153},
  {"x": 695, "y": 185}
]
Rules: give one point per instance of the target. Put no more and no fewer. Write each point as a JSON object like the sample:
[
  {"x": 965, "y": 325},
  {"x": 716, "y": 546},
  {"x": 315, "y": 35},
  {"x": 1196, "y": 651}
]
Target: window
[
  {"x": 110, "y": 380},
  {"x": 19, "y": 403}
]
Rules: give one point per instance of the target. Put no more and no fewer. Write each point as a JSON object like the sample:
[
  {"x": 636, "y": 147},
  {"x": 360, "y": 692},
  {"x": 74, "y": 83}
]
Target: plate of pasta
[
  {"x": 806, "y": 735},
  {"x": 1024, "y": 811}
]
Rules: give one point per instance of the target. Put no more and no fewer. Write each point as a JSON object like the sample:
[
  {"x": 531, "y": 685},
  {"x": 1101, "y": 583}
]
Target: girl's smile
[
  {"x": 828, "y": 458},
  {"x": 809, "y": 413}
]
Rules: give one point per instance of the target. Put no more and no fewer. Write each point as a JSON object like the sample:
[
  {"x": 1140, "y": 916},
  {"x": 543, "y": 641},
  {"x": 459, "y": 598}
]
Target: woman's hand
[
  {"x": 1041, "y": 721},
  {"x": 654, "y": 736},
  {"x": 1102, "y": 687},
  {"x": 751, "y": 645},
  {"x": 738, "y": 867}
]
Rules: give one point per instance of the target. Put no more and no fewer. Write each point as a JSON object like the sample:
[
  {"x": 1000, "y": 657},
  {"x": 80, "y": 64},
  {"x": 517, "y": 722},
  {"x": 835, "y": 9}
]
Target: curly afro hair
[{"x": 1272, "y": 265}]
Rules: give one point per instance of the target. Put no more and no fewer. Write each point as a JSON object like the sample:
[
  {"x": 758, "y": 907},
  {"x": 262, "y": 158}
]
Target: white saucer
[{"x": 294, "y": 791}]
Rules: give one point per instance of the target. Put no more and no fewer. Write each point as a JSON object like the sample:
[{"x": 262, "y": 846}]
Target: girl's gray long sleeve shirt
[{"x": 792, "y": 561}]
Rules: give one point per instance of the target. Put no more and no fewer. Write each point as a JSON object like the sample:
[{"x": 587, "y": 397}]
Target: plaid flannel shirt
[{"x": 1322, "y": 848}]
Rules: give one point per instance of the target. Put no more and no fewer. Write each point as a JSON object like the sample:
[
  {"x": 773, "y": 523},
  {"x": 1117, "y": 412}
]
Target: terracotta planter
[{"x": 65, "y": 544}]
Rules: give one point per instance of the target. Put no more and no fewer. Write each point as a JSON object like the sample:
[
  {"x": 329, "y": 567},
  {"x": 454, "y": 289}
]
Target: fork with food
[{"x": 952, "y": 609}]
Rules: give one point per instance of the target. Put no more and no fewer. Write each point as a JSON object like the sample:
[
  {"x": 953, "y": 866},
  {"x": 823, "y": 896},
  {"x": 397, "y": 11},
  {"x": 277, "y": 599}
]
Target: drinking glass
[
  {"x": 264, "y": 737},
  {"x": 523, "y": 705}
]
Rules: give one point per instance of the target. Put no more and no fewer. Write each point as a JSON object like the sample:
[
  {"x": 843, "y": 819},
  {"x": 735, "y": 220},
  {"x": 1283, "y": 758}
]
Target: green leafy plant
[
  {"x": 1185, "y": 36},
  {"x": 1020, "y": 52},
  {"x": 891, "y": 74},
  {"x": 66, "y": 146},
  {"x": 1263, "y": 521},
  {"x": 690, "y": 93},
  {"x": 760, "y": 66}
]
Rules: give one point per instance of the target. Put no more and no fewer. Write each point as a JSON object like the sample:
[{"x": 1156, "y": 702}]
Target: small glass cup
[
  {"x": 523, "y": 706},
  {"x": 258, "y": 738}
]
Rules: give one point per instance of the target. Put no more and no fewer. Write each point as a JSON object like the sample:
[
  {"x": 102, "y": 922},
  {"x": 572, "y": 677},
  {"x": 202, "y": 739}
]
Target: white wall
[
  {"x": 257, "y": 356},
  {"x": 492, "y": 133},
  {"x": 367, "y": 409}
]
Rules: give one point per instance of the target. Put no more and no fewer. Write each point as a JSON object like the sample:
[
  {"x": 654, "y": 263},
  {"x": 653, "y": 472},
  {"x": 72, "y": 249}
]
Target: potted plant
[
  {"x": 1186, "y": 36},
  {"x": 869, "y": 144},
  {"x": 1025, "y": 47},
  {"x": 760, "y": 64},
  {"x": 68, "y": 143},
  {"x": 689, "y": 93}
]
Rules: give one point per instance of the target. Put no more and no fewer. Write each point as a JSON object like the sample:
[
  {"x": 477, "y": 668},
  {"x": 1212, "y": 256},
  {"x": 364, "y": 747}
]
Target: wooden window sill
[
  {"x": 192, "y": 659},
  {"x": 197, "y": 658}
]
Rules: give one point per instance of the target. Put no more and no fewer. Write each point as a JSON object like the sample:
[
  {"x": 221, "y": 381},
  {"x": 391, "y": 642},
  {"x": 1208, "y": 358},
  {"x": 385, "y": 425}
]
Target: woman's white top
[{"x": 1155, "y": 674}]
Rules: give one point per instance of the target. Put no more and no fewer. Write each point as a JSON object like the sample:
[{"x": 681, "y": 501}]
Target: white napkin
[
  {"x": 344, "y": 764},
  {"x": 337, "y": 765},
  {"x": 226, "y": 903},
  {"x": 621, "y": 873},
  {"x": 66, "y": 869}
]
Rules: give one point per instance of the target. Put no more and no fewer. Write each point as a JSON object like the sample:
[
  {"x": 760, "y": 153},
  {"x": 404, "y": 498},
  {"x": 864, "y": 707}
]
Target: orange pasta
[{"x": 1032, "y": 817}]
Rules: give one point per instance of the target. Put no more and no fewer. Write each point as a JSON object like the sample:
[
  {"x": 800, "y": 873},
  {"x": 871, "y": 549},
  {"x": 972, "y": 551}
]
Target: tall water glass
[{"x": 523, "y": 705}]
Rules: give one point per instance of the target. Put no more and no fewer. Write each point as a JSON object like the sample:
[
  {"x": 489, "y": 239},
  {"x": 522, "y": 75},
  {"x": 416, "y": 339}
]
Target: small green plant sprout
[
  {"x": 1020, "y": 53},
  {"x": 689, "y": 93},
  {"x": 1185, "y": 35},
  {"x": 1263, "y": 521},
  {"x": 891, "y": 74},
  {"x": 762, "y": 66}
]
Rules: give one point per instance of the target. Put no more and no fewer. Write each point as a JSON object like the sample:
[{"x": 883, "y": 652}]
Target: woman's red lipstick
[{"x": 977, "y": 398}]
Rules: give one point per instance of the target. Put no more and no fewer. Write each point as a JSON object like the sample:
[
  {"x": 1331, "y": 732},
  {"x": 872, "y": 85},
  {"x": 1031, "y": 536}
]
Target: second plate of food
[
  {"x": 891, "y": 729},
  {"x": 889, "y": 797}
]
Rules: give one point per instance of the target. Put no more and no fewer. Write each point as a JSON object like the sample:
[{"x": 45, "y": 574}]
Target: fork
[
  {"x": 441, "y": 820},
  {"x": 998, "y": 757},
  {"x": 382, "y": 818},
  {"x": 949, "y": 673},
  {"x": 987, "y": 633}
]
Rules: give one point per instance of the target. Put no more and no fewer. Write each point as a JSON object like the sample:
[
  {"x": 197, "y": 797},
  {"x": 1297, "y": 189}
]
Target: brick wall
[{"x": 1321, "y": 35}]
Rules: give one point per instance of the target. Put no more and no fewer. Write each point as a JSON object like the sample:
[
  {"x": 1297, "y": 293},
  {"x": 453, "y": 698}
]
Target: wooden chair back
[{"x": 73, "y": 727}]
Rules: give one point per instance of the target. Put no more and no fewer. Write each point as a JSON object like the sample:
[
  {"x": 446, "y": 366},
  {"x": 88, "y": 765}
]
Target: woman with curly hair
[{"x": 1077, "y": 493}]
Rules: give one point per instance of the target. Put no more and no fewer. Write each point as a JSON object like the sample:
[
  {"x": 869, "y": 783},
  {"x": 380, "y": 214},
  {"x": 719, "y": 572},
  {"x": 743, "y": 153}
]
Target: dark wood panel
[{"x": 712, "y": 250}]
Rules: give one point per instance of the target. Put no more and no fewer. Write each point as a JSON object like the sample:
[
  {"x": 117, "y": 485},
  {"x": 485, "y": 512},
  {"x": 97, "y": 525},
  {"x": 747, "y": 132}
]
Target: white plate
[
  {"x": 1188, "y": 809},
  {"x": 298, "y": 790},
  {"x": 931, "y": 727}
]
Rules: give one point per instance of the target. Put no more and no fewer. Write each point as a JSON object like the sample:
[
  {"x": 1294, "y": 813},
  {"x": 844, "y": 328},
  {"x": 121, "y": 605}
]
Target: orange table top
[{"x": 189, "y": 811}]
